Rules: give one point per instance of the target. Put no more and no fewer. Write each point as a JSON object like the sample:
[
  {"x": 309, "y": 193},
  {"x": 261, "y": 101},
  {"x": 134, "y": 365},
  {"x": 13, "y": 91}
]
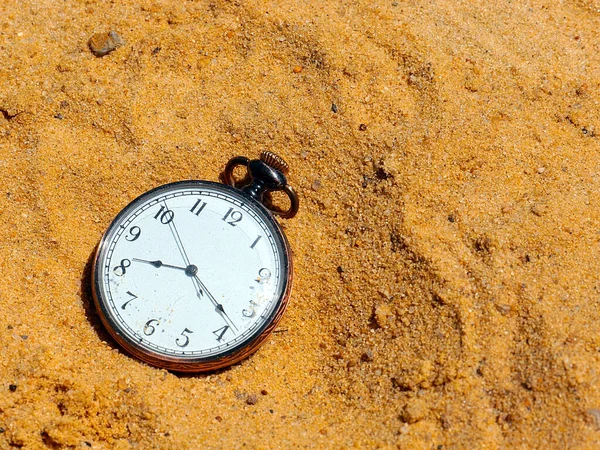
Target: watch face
[{"x": 192, "y": 276}]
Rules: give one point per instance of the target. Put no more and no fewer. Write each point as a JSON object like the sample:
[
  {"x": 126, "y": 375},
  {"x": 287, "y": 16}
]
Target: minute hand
[
  {"x": 201, "y": 288},
  {"x": 190, "y": 269},
  {"x": 177, "y": 238},
  {"x": 215, "y": 302}
]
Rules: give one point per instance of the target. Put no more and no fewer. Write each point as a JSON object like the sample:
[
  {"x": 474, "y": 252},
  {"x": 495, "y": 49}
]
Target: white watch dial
[{"x": 191, "y": 270}]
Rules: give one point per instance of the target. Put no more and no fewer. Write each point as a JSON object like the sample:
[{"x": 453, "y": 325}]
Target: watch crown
[{"x": 276, "y": 162}]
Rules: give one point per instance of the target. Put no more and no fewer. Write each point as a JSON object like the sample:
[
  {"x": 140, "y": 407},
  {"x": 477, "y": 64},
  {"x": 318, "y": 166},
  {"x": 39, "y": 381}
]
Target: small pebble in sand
[
  {"x": 594, "y": 417},
  {"x": 316, "y": 185},
  {"x": 539, "y": 209},
  {"x": 264, "y": 392},
  {"x": 383, "y": 315},
  {"x": 362, "y": 127},
  {"x": 334, "y": 108},
  {"x": 252, "y": 399},
  {"x": 505, "y": 310},
  {"x": 541, "y": 170},
  {"x": 414, "y": 411},
  {"x": 102, "y": 44},
  {"x": 12, "y": 387},
  {"x": 297, "y": 69}
]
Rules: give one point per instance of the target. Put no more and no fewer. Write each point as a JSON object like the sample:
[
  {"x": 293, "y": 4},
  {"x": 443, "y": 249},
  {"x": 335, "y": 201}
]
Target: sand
[{"x": 446, "y": 251}]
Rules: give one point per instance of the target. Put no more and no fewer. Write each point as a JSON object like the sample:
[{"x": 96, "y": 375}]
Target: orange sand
[{"x": 447, "y": 289}]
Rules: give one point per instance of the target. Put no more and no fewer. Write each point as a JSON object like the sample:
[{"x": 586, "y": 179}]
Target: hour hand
[{"x": 159, "y": 263}]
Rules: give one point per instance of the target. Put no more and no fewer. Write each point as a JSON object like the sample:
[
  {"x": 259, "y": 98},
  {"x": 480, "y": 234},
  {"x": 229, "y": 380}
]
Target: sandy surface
[{"x": 446, "y": 254}]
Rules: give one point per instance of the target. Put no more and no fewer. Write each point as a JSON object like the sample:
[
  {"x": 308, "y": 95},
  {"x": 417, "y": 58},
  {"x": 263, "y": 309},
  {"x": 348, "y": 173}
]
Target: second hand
[{"x": 218, "y": 305}]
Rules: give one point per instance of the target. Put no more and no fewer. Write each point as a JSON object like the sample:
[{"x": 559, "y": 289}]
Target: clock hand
[
  {"x": 218, "y": 305},
  {"x": 178, "y": 241},
  {"x": 191, "y": 271},
  {"x": 158, "y": 264}
]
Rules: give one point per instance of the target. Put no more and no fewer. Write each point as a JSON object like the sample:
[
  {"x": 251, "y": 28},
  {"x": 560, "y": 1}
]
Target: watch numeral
[
  {"x": 121, "y": 269},
  {"x": 220, "y": 332},
  {"x": 264, "y": 275},
  {"x": 250, "y": 312},
  {"x": 186, "y": 339},
  {"x": 133, "y": 297},
  {"x": 149, "y": 329},
  {"x": 165, "y": 215},
  {"x": 255, "y": 241},
  {"x": 233, "y": 216},
  {"x": 135, "y": 233},
  {"x": 198, "y": 207}
]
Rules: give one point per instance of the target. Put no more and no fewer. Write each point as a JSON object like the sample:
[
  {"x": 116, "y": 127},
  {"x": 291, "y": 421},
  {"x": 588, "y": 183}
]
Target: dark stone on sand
[{"x": 102, "y": 44}]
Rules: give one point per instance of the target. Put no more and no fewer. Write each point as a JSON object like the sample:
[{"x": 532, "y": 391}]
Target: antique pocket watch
[{"x": 194, "y": 275}]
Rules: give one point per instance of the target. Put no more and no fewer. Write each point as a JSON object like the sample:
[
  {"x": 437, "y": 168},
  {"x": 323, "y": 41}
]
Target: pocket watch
[{"x": 193, "y": 276}]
